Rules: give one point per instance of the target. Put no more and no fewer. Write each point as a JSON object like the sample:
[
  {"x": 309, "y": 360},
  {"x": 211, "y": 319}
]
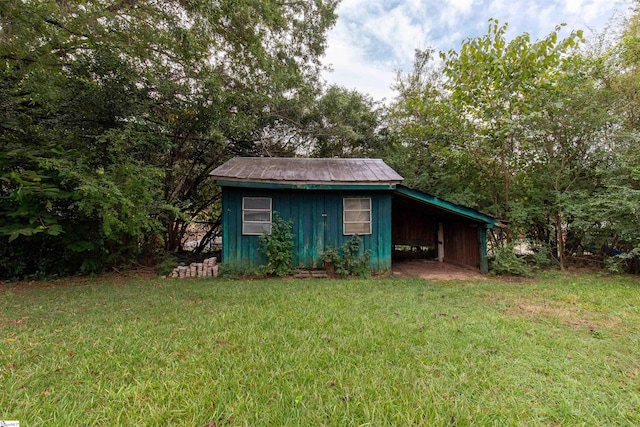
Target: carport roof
[{"x": 446, "y": 206}]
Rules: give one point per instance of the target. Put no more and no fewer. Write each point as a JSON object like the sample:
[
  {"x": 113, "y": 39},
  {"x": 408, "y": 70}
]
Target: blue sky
[{"x": 374, "y": 38}]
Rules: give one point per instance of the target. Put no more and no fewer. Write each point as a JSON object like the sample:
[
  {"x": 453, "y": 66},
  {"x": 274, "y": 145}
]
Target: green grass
[{"x": 557, "y": 350}]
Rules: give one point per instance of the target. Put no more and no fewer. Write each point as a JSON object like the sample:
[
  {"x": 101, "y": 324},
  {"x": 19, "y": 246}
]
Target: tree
[
  {"x": 608, "y": 215},
  {"x": 431, "y": 154},
  {"x": 517, "y": 128},
  {"x": 493, "y": 84},
  {"x": 344, "y": 123},
  {"x": 569, "y": 137},
  {"x": 114, "y": 113}
]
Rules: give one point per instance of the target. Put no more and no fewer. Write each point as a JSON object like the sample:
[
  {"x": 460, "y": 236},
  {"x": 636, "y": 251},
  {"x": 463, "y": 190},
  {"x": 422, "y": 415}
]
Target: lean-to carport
[{"x": 458, "y": 233}]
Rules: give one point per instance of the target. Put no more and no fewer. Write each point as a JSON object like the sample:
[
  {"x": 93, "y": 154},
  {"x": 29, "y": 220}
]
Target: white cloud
[
  {"x": 573, "y": 6},
  {"x": 351, "y": 67},
  {"x": 462, "y": 6},
  {"x": 373, "y": 38},
  {"x": 394, "y": 29}
]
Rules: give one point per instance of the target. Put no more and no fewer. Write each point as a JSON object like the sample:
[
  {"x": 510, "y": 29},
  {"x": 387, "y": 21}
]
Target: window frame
[
  {"x": 344, "y": 216},
  {"x": 251, "y": 210}
]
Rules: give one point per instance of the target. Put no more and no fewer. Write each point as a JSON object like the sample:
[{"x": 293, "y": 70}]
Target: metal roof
[{"x": 306, "y": 171}]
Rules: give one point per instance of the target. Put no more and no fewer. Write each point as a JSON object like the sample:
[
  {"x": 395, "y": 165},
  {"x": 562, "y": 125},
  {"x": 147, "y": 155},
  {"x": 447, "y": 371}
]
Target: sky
[{"x": 373, "y": 39}]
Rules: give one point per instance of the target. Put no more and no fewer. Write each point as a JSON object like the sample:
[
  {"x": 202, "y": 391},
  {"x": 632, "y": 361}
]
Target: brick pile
[{"x": 207, "y": 268}]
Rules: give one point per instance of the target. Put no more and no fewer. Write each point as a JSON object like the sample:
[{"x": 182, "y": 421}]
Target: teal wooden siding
[
  {"x": 482, "y": 244},
  {"x": 317, "y": 222}
]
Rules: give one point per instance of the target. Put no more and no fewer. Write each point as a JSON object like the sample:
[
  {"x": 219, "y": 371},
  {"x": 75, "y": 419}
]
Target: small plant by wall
[
  {"x": 278, "y": 247},
  {"x": 506, "y": 262},
  {"x": 348, "y": 261}
]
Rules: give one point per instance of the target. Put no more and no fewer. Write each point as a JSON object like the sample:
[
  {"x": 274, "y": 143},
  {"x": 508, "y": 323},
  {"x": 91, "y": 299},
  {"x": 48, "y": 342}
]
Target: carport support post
[
  {"x": 440, "y": 242},
  {"x": 482, "y": 244}
]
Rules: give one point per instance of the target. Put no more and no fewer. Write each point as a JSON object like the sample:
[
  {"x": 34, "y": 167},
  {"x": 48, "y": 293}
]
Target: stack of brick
[{"x": 207, "y": 268}]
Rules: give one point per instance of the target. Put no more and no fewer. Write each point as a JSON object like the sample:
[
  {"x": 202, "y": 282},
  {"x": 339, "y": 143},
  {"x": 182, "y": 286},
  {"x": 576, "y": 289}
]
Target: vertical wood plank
[
  {"x": 482, "y": 247},
  {"x": 372, "y": 239},
  {"x": 319, "y": 226},
  {"x": 385, "y": 233},
  {"x": 236, "y": 216},
  {"x": 226, "y": 232},
  {"x": 307, "y": 201}
]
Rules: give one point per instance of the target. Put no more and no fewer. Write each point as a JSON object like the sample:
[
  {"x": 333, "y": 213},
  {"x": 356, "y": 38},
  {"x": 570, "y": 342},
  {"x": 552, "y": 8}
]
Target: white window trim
[
  {"x": 344, "y": 216},
  {"x": 256, "y": 210}
]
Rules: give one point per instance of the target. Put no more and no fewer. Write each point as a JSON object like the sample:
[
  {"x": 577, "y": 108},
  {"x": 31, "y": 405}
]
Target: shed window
[
  {"x": 356, "y": 216},
  {"x": 256, "y": 215}
]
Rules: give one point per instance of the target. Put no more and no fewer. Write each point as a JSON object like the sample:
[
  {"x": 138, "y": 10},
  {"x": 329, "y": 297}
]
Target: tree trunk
[
  {"x": 507, "y": 188},
  {"x": 560, "y": 241},
  {"x": 209, "y": 236},
  {"x": 173, "y": 236}
]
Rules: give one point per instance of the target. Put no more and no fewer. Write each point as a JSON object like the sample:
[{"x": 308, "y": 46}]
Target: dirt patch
[
  {"x": 564, "y": 312},
  {"x": 433, "y": 270}
]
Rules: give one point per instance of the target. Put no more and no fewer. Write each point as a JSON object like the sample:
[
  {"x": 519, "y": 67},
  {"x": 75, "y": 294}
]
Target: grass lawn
[{"x": 556, "y": 350}]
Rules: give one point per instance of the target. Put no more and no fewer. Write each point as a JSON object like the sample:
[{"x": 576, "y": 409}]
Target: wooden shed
[{"x": 329, "y": 200}]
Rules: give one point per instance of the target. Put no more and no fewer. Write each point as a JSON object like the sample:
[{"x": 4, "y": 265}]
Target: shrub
[
  {"x": 506, "y": 261},
  {"x": 541, "y": 258},
  {"x": 348, "y": 261},
  {"x": 624, "y": 262},
  {"x": 166, "y": 266},
  {"x": 278, "y": 247}
]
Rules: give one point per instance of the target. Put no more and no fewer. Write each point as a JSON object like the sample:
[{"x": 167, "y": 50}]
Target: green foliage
[
  {"x": 538, "y": 133},
  {"x": 349, "y": 260},
  {"x": 506, "y": 262},
  {"x": 625, "y": 262},
  {"x": 278, "y": 246},
  {"x": 541, "y": 258},
  {"x": 331, "y": 256},
  {"x": 494, "y": 86},
  {"x": 344, "y": 123},
  {"x": 166, "y": 265},
  {"x": 112, "y": 116}
]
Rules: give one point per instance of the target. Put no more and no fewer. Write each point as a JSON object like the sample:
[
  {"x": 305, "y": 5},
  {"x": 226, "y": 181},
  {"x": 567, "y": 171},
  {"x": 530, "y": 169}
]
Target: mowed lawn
[{"x": 556, "y": 350}]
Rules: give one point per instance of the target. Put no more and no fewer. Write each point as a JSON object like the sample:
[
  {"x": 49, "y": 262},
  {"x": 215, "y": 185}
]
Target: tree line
[
  {"x": 114, "y": 112},
  {"x": 542, "y": 134}
]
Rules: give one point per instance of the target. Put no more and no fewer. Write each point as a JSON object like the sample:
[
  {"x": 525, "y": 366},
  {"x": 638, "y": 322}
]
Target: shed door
[{"x": 312, "y": 218}]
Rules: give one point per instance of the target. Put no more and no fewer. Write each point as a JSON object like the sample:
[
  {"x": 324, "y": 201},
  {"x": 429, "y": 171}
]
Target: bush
[
  {"x": 278, "y": 247},
  {"x": 625, "y": 262},
  {"x": 505, "y": 261},
  {"x": 541, "y": 258},
  {"x": 348, "y": 261},
  {"x": 166, "y": 265}
]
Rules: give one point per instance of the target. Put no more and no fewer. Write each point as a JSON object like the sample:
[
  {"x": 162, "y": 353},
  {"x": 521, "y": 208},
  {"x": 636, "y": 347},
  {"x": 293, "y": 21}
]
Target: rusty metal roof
[{"x": 306, "y": 171}]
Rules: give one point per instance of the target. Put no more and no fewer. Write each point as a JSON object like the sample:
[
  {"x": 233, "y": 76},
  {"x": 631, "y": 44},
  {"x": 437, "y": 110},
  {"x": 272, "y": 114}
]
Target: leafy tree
[
  {"x": 464, "y": 124},
  {"x": 344, "y": 123},
  {"x": 431, "y": 153},
  {"x": 606, "y": 214},
  {"x": 493, "y": 85},
  {"x": 521, "y": 129},
  {"x": 113, "y": 113},
  {"x": 568, "y": 135}
]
